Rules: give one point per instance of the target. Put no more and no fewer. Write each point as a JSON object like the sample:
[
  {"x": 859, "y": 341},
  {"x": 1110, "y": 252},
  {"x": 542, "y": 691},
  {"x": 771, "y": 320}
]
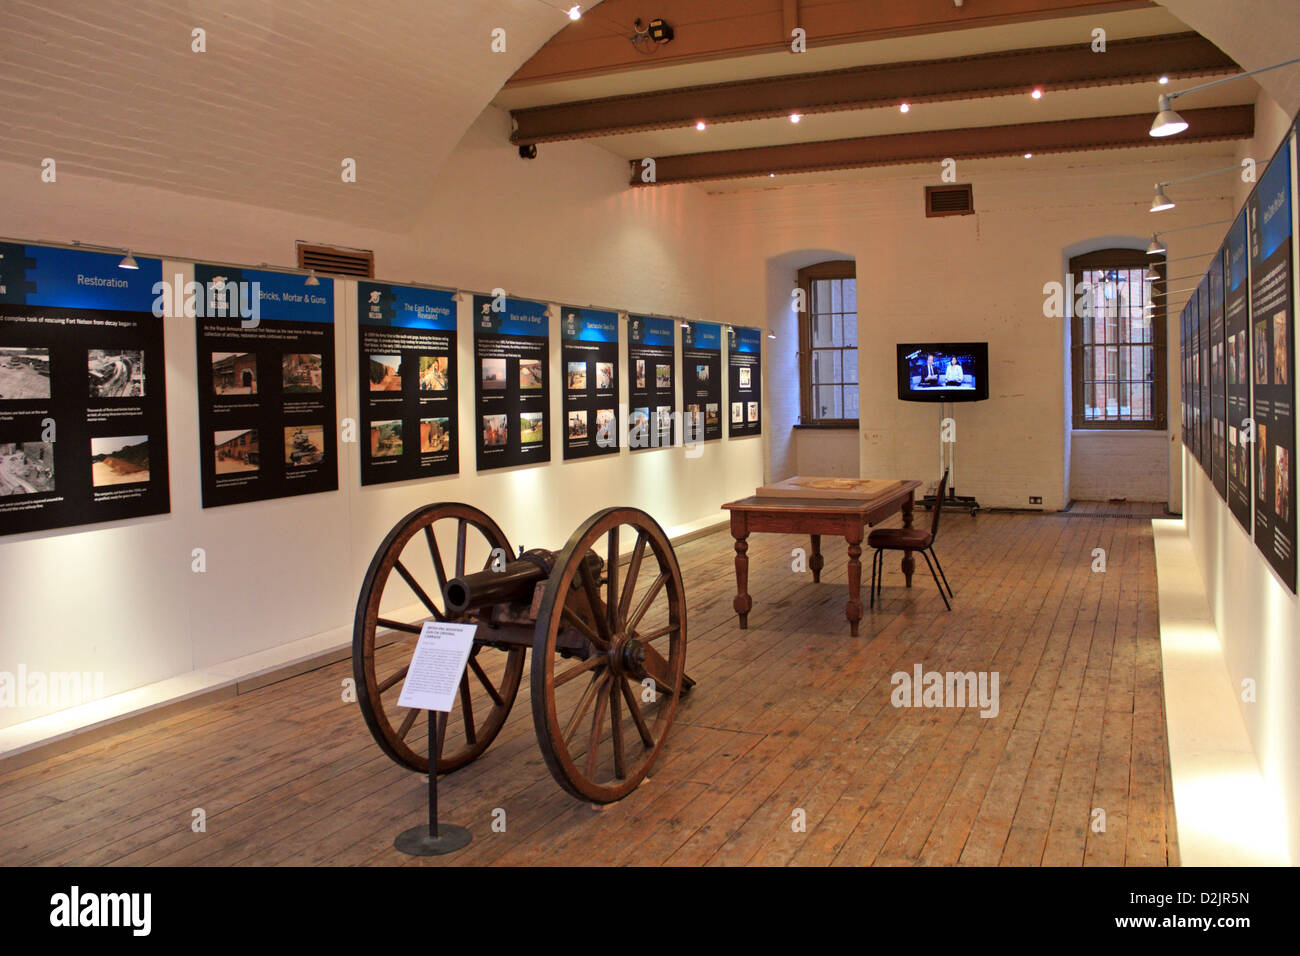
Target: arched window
[
  {"x": 828, "y": 344},
  {"x": 1117, "y": 340}
]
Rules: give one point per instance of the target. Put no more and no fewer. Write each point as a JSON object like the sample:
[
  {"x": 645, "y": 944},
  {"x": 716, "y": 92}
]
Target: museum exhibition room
[{"x": 764, "y": 433}]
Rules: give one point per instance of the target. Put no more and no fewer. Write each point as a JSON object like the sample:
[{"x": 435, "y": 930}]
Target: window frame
[
  {"x": 1120, "y": 259},
  {"x": 832, "y": 269}
]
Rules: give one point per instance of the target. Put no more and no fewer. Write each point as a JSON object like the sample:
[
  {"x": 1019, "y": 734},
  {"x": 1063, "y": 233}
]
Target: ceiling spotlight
[
  {"x": 1029, "y": 155},
  {"x": 904, "y": 108},
  {"x": 1163, "y": 80},
  {"x": 311, "y": 278},
  {"x": 795, "y": 117},
  {"x": 1037, "y": 93},
  {"x": 686, "y": 325},
  {"x": 1167, "y": 121},
  {"x": 1157, "y": 247},
  {"x": 699, "y": 124},
  {"x": 128, "y": 262},
  {"x": 574, "y": 12},
  {"x": 771, "y": 175},
  {"x": 771, "y": 335},
  {"x": 1161, "y": 202}
]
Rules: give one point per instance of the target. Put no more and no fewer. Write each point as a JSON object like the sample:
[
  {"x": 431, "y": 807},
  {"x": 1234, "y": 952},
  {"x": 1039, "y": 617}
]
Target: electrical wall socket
[{"x": 1035, "y": 500}]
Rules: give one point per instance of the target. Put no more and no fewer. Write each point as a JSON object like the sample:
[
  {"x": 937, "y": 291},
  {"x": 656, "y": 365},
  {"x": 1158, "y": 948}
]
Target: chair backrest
[{"x": 938, "y": 506}]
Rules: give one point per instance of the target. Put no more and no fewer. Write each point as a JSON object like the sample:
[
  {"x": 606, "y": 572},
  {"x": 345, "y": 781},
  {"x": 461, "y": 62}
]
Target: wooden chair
[{"x": 909, "y": 539}]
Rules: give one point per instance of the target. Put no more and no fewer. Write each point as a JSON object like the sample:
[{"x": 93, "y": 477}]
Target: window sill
[
  {"x": 828, "y": 426},
  {"x": 1119, "y": 431}
]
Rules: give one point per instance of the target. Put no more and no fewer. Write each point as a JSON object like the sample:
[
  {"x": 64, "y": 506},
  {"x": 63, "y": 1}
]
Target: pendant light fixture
[{"x": 1169, "y": 123}]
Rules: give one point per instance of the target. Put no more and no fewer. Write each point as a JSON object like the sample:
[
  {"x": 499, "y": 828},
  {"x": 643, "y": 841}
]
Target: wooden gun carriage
[{"x": 608, "y": 639}]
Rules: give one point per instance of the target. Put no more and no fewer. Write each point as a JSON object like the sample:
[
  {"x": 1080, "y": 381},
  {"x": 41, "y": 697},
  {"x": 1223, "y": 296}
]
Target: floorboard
[{"x": 789, "y": 751}]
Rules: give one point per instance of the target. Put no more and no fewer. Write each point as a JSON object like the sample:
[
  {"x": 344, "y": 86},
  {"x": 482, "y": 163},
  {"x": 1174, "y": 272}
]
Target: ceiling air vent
[
  {"x": 335, "y": 260},
  {"x": 949, "y": 200}
]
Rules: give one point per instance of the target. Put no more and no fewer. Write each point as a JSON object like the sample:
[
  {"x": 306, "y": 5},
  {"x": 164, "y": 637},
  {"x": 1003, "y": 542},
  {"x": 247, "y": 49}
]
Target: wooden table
[{"x": 815, "y": 517}]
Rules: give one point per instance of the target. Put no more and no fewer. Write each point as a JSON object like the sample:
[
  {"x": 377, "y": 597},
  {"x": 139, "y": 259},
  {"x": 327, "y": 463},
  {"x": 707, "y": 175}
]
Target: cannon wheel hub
[{"x": 627, "y": 656}]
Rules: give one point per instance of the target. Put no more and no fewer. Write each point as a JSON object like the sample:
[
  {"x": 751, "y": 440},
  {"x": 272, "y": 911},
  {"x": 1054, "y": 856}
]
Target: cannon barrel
[{"x": 515, "y": 582}]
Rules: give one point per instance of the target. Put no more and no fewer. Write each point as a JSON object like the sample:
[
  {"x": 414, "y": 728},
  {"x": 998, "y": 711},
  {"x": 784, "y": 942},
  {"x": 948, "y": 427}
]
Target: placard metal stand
[{"x": 433, "y": 839}]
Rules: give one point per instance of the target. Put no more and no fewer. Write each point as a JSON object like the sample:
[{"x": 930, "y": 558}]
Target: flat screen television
[{"x": 943, "y": 372}]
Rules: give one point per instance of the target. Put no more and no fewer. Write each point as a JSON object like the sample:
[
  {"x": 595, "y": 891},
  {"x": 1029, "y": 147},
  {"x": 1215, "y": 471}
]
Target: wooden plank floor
[{"x": 789, "y": 715}]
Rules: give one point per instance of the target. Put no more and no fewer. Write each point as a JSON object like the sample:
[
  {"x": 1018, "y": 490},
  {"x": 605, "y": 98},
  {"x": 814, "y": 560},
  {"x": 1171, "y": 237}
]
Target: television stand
[{"x": 952, "y": 502}]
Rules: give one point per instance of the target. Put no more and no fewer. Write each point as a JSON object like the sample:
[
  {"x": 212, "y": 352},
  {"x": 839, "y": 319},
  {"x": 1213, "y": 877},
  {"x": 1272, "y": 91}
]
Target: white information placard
[{"x": 436, "y": 669}]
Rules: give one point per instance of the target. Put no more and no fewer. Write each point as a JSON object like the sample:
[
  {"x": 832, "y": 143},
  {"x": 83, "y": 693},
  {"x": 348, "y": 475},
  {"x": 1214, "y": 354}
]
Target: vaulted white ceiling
[{"x": 286, "y": 90}]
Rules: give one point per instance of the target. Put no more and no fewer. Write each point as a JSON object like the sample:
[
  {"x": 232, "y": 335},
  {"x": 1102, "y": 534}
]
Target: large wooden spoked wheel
[
  {"x": 601, "y": 721},
  {"x": 412, "y": 566}
]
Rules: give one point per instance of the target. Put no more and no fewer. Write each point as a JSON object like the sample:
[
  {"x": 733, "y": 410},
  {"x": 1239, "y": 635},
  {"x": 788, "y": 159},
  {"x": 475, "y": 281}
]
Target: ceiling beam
[
  {"x": 980, "y": 142},
  {"x": 868, "y": 87},
  {"x": 599, "y": 43}
]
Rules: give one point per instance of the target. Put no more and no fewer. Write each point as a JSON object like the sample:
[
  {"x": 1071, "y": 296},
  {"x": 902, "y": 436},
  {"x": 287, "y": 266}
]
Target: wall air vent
[
  {"x": 949, "y": 200},
  {"x": 337, "y": 261}
]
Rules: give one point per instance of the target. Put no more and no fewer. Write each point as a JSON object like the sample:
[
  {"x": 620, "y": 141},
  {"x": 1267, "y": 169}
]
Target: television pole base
[{"x": 953, "y": 502}]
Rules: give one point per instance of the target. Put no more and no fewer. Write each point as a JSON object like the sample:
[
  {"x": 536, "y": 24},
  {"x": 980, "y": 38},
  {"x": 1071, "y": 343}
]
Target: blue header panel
[
  {"x": 1236, "y": 244},
  {"x": 405, "y": 307},
  {"x": 520, "y": 317},
  {"x": 588, "y": 325},
  {"x": 648, "y": 330},
  {"x": 1275, "y": 202},
  {"x": 75, "y": 279},
  {"x": 284, "y": 296},
  {"x": 748, "y": 340},
  {"x": 706, "y": 336}
]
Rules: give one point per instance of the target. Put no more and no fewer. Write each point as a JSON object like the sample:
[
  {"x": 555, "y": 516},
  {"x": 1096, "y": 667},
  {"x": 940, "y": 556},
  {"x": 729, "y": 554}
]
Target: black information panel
[
  {"x": 267, "y": 425},
  {"x": 1185, "y": 365},
  {"x": 83, "y": 398},
  {"x": 511, "y": 356},
  {"x": 407, "y": 350},
  {"x": 702, "y": 381},
  {"x": 1202, "y": 296},
  {"x": 652, "y": 398},
  {"x": 1268, "y": 213},
  {"x": 745, "y": 387},
  {"x": 1194, "y": 385},
  {"x": 1237, "y": 324},
  {"x": 589, "y": 351},
  {"x": 1218, "y": 394}
]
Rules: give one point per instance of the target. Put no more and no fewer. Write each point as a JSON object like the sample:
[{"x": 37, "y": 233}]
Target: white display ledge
[
  {"x": 1227, "y": 815},
  {"x": 45, "y": 736}
]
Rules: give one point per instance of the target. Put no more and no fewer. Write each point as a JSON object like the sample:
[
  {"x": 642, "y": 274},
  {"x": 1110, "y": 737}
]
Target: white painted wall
[
  {"x": 832, "y": 452},
  {"x": 977, "y": 277},
  {"x": 120, "y": 598},
  {"x": 1121, "y": 464}
]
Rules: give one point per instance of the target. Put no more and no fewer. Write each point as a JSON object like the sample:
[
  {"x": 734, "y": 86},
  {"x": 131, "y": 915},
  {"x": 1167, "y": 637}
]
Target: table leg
[
  {"x": 815, "y": 562},
  {"x": 854, "y": 609},
  {"x": 743, "y": 602},
  {"x": 909, "y": 562}
]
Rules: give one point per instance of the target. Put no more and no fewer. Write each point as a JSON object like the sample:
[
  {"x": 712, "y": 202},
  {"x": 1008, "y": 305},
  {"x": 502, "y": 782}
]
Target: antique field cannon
[{"x": 608, "y": 636}]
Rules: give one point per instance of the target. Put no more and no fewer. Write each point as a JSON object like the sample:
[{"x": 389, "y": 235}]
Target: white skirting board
[{"x": 1227, "y": 815}]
